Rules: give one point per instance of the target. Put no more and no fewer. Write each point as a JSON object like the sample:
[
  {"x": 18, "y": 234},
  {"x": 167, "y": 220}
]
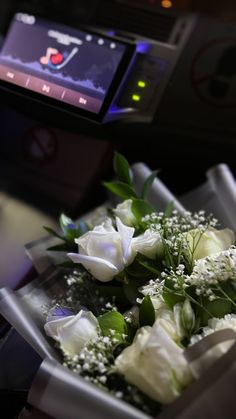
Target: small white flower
[
  {"x": 213, "y": 269},
  {"x": 73, "y": 332},
  {"x": 124, "y": 212}
]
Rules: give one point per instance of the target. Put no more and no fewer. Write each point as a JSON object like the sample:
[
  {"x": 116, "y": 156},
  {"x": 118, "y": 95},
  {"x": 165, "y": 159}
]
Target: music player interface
[{"x": 72, "y": 66}]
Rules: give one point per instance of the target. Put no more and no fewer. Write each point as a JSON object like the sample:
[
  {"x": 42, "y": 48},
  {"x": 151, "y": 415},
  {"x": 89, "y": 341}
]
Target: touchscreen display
[{"x": 72, "y": 66}]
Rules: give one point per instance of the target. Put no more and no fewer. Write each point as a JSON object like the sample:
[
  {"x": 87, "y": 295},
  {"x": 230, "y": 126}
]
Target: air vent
[{"x": 148, "y": 23}]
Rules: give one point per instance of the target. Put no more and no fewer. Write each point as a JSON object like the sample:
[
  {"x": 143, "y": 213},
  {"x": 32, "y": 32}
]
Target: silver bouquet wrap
[{"x": 61, "y": 393}]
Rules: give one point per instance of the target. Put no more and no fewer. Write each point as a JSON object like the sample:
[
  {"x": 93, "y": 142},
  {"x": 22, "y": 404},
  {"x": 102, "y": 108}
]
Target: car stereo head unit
[
  {"x": 75, "y": 69},
  {"x": 96, "y": 74}
]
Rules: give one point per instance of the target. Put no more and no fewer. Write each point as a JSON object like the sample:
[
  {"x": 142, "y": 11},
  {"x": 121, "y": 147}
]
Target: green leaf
[
  {"x": 66, "y": 223},
  {"x": 169, "y": 259},
  {"x": 148, "y": 183},
  {"x": 131, "y": 291},
  {"x": 146, "y": 312},
  {"x": 53, "y": 233},
  {"x": 63, "y": 247},
  {"x": 111, "y": 292},
  {"x": 169, "y": 209},
  {"x": 229, "y": 288},
  {"x": 113, "y": 320},
  {"x": 217, "y": 308},
  {"x": 69, "y": 265},
  {"x": 142, "y": 269},
  {"x": 170, "y": 296},
  {"x": 140, "y": 208},
  {"x": 70, "y": 229},
  {"x": 136, "y": 271},
  {"x": 122, "y": 169},
  {"x": 149, "y": 265},
  {"x": 121, "y": 189}
]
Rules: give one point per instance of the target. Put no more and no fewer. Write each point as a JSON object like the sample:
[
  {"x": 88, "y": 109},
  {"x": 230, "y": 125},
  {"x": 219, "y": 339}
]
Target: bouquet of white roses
[{"x": 142, "y": 290}]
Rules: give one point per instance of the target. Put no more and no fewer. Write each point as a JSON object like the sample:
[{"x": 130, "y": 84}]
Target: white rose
[
  {"x": 155, "y": 364},
  {"x": 148, "y": 244},
  {"x": 210, "y": 242},
  {"x": 73, "y": 332},
  {"x": 124, "y": 212},
  {"x": 104, "y": 251}
]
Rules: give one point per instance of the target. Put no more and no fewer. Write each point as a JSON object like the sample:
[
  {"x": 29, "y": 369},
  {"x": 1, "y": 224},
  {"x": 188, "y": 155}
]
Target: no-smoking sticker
[
  {"x": 40, "y": 144},
  {"x": 213, "y": 73}
]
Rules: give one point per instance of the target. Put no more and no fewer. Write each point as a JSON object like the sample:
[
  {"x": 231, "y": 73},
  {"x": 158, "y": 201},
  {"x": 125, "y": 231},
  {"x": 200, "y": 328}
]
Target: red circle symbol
[{"x": 56, "y": 58}]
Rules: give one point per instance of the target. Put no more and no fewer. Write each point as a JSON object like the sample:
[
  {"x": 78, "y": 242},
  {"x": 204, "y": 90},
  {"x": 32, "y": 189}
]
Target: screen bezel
[{"x": 123, "y": 66}]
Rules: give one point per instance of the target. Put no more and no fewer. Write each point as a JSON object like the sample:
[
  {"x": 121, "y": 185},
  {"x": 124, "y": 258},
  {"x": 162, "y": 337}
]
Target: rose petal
[
  {"x": 59, "y": 312},
  {"x": 126, "y": 234},
  {"x": 149, "y": 244},
  {"x": 52, "y": 326},
  {"x": 124, "y": 212},
  {"x": 99, "y": 268},
  {"x": 74, "y": 334}
]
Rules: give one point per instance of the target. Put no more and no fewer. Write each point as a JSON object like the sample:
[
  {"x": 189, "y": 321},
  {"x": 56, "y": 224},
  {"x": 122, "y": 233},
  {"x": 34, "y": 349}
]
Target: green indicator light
[
  {"x": 141, "y": 83},
  {"x": 136, "y": 98}
]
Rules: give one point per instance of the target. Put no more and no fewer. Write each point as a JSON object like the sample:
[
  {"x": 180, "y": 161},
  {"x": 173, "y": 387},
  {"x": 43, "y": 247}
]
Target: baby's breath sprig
[
  {"x": 211, "y": 273},
  {"x": 83, "y": 291},
  {"x": 211, "y": 287},
  {"x": 95, "y": 363},
  {"x": 173, "y": 230},
  {"x": 175, "y": 287}
]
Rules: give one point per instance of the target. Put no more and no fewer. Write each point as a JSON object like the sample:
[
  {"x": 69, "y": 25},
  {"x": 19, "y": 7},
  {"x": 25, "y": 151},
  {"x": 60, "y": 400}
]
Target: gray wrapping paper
[
  {"x": 196, "y": 351},
  {"x": 60, "y": 393},
  {"x": 216, "y": 196},
  {"x": 223, "y": 184},
  {"x": 18, "y": 315},
  {"x": 56, "y": 390},
  {"x": 64, "y": 395},
  {"x": 24, "y": 310},
  {"x": 213, "y": 394},
  {"x": 41, "y": 258}
]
